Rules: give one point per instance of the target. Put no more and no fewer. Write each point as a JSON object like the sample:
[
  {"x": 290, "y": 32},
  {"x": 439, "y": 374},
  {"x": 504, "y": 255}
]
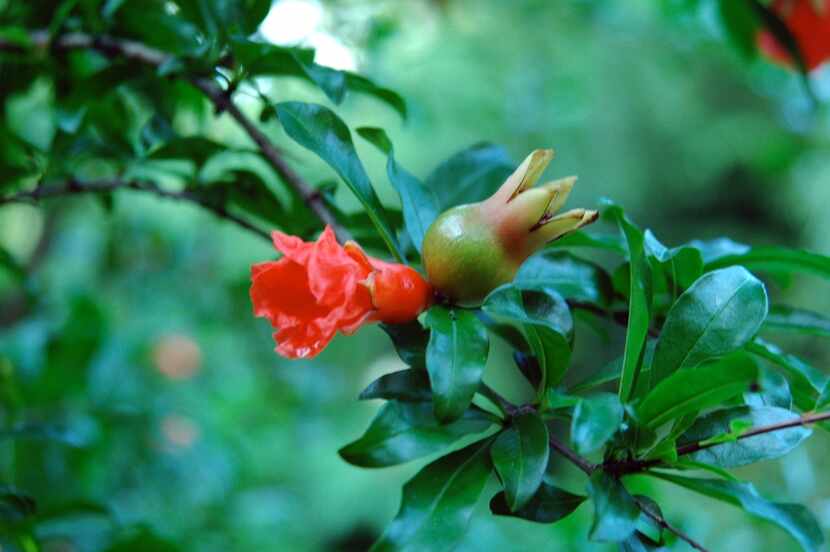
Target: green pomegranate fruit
[{"x": 472, "y": 249}]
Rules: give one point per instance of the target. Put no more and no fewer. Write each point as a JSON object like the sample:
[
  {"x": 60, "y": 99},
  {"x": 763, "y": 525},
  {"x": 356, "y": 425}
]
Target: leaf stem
[{"x": 660, "y": 520}]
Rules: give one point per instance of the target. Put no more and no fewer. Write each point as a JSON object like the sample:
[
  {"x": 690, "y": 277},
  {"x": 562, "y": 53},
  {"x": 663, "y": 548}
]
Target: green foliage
[{"x": 675, "y": 379}]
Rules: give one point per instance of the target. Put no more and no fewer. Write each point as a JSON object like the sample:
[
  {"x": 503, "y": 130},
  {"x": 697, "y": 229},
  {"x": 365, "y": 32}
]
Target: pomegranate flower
[
  {"x": 319, "y": 288},
  {"x": 809, "y": 22}
]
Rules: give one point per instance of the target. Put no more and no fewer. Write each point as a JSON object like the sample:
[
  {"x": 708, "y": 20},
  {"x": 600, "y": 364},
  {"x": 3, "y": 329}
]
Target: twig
[
  {"x": 634, "y": 466},
  {"x": 575, "y": 459},
  {"x": 659, "y": 520},
  {"x": 132, "y": 50},
  {"x": 72, "y": 187}
]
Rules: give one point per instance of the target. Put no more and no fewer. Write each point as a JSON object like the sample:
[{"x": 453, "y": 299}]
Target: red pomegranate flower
[
  {"x": 809, "y": 22},
  {"x": 318, "y": 288}
]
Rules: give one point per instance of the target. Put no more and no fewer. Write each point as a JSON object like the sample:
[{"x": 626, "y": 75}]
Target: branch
[
  {"x": 72, "y": 187},
  {"x": 221, "y": 99},
  {"x": 659, "y": 520},
  {"x": 634, "y": 466}
]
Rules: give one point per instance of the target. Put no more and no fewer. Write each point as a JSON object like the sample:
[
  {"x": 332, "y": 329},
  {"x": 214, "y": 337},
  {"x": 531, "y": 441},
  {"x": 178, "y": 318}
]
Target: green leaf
[
  {"x": 548, "y": 505},
  {"x": 456, "y": 356},
  {"x": 771, "y": 389},
  {"x": 572, "y": 277},
  {"x": 806, "y": 382},
  {"x": 724, "y": 252},
  {"x": 420, "y": 206},
  {"x": 615, "y": 512},
  {"x": 595, "y": 420},
  {"x": 318, "y": 129},
  {"x": 639, "y": 307},
  {"x": 741, "y": 26},
  {"x": 581, "y": 238},
  {"x": 470, "y": 175},
  {"x": 438, "y": 502},
  {"x": 359, "y": 83},
  {"x": 410, "y": 342},
  {"x": 546, "y": 321},
  {"x": 719, "y": 314},
  {"x": 682, "y": 265},
  {"x": 404, "y": 431},
  {"x": 520, "y": 456},
  {"x": 694, "y": 389},
  {"x": 9, "y": 263},
  {"x": 793, "y": 518},
  {"x": 410, "y": 385},
  {"x": 782, "y": 317},
  {"x": 745, "y": 451}
]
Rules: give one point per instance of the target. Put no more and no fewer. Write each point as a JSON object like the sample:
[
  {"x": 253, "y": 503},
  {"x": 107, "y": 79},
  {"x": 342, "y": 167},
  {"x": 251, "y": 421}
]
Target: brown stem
[
  {"x": 74, "y": 187},
  {"x": 634, "y": 466},
  {"x": 575, "y": 459},
  {"x": 659, "y": 520},
  {"x": 136, "y": 51}
]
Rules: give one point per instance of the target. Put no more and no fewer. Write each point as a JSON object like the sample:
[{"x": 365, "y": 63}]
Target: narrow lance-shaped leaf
[
  {"x": 720, "y": 313},
  {"x": 546, "y": 320},
  {"x": 615, "y": 512},
  {"x": 639, "y": 306},
  {"x": 318, "y": 129},
  {"x": 806, "y": 382},
  {"x": 724, "y": 252},
  {"x": 793, "y": 518},
  {"x": 410, "y": 342},
  {"x": 405, "y": 431},
  {"x": 456, "y": 356},
  {"x": 595, "y": 420},
  {"x": 438, "y": 502},
  {"x": 548, "y": 505},
  {"x": 410, "y": 385},
  {"x": 740, "y": 452},
  {"x": 420, "y": 206},
  {"x": 694, "y": 389},
  {"x": 790, "y": 319},
  {"x": 520, "y": 456}
]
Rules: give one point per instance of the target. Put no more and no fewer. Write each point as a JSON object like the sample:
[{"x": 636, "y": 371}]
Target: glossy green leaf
[
  {"x": 720, "y": 313},
  {"x": 404, "y": 431},
  {"x": 548, "y": 505},
  {"x": 410, "y": 342},
  {"x": 639, "y": 306},
  {"x": 615, "y": 512},
  {"x": 572, "y": 277},
  {"x": 771, "y": 389},
  {"x": 410, "y": 385},
  {"x": 595, "y": 420},
  {"x": 741, "y": 452},
  {"x": 318, "y": 129},
  {"x": 546, "y": 320},
  {"x": 695, "y": 389},
  {"x": 681, "y": 265},
  {"x": 806, "y": 382},
  {"x": 583, "y": 239},
  {"x": 793, "y": 518},
  {"x": 438, "y": 502},
  {"x": 520, "y": 456},
  {"x": 724, "y": 252},
  {"x": 470, "y": 175},
  {"x": 420, "y": 207},
  {"x": 784, "y": 318},
  {"x": 456, "y": 356}
]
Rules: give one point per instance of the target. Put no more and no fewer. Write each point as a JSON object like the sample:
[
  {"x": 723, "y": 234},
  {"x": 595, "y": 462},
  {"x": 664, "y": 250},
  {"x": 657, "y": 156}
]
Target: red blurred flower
[
  {"x": 809, "y": 22},
  {"x": 318, "y": 288}
]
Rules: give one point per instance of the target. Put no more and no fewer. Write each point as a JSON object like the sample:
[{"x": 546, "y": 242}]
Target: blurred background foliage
[{"x": 142, "y": 405}]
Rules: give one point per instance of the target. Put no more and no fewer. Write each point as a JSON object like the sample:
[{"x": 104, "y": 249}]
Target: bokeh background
[{"x": 135, "y": 378}]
